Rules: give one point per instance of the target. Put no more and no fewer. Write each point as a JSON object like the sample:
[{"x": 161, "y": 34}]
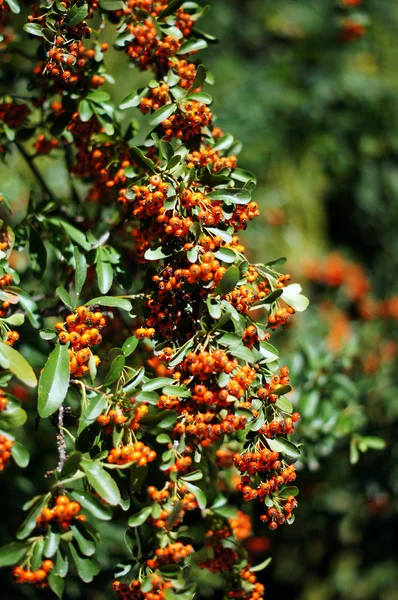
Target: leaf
[
  {"x": 133, "y": 99},
  {"x": 200, "y": 78},
  {"x": 142, "y": 160},
  {"x": 104, "y": 271},
  {"x": 28, "y": 304},
  {"x": 86, "y": 544},
  {"x": 289, "y": 491},
  {"x": 231, "y": 196},
  {"x": 261, "y": 566},
  {"x": 135, "y": 380},
  {"x": 283, "y": 389},
  {"x": 81, "y": 270},
  {"x": 101, "y": 481},
  {"x": 20, "y": 454},
  {"x": 75, "y": 234},
  {"x": 64, "y": 296},
  {"x": 15, "y": 320},
  {"x": 163, "y": 438},
  {"x": 11, "y": 554},
  {"x": 30, "y": 521},
  {"x": 285, "y": 447},
  {"x": 130, "y": 345},
  {"x": 354, "y": 452},
  {"x": 269, "y": 352},
  {"x": 227, "y": 237},
  {"x": 85, "y": 111},
  {"x": 376, "y": 443},
  {"x": 116, "y": 369},
  {"x": 285, "y": 405},
  {"x": 198, "y": 493},
  {"x": 148, "y": 397},
  {"x": 14, "y": 6},
  {"x": 92, "y": 504},
  {"x": 54, "y": 381},
  {"x": 56, "y": 583},
  {"x": 243, "y": 353},
  {"x": 111, "y": 4},
  {"x": 224, "y": 143},
  {"x": 199, "y": 97},
  {"x": 171, "y": 8},
  {"x": 194, "y": 476},
  {"x": 76, "y": 15},
  {"x": 34, "y": 29},
  {"x": 18, "y": 365},
  {"x": 241, "y": 175},
  {"x": 155, "y": 384},
  {"x": 14, "y": 416},
  {"x": 87, "y": 568},
  {"x": 162, "y": 114},
  {"x": 176, "y": 390},
  {"x": 291, "y": 295},
  {"x": 213, "y": 307},
  {"x": 228, "y": 282},
  {"x": 111, "y": 302},
  {"x": 140, "y": 517},
  {"x": 156, "y": 254},
  {"x": 51, "y": 543},
  {"x": 226, "y": 255},
  {"x": 192, "y": 46}
]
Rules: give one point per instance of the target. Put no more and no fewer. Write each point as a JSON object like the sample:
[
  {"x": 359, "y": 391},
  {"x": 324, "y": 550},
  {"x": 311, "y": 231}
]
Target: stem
[
  {"x": 35, "y": 171},
  {"x": 61, "y": 443}
]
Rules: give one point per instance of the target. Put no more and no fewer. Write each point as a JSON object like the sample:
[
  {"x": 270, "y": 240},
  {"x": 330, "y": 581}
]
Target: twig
[
  {"x": 61, "y": 443},
  {"x": 35, "y": 171}
]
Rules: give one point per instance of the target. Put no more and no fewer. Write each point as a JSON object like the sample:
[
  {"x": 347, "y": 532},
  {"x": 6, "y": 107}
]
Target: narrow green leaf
[
  {"x": 18, "y": 365},
  {"x": 20, "y": 455},
  {"x": 11, "y": 554},
  {"x": 101, "y": 481},
  {"x": 162, "y": 114},
  {"x": 54, "y": 381},
  {"x": 81, "y": 270}
]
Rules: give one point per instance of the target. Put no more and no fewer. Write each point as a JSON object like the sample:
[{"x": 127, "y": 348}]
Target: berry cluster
[
  {"x": 133, "y": 591},
  {"x": 82, "y": 329},
  {"x": 5, "y": 451},
  {"x": 37, "y": 578},
  {"x": 131, "y": 453},
  {"x": 275, "y": 518},
  {"x": 63, "y": 513},
  {"x": 173, "y": 553}
]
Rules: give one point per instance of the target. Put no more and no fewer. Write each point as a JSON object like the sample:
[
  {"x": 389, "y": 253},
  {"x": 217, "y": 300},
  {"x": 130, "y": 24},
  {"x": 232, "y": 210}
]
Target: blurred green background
[{"x": 310, "y": 87}]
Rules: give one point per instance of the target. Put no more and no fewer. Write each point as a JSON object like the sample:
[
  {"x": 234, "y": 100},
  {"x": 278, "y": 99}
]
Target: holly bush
[{"x": 131, "y": 251}]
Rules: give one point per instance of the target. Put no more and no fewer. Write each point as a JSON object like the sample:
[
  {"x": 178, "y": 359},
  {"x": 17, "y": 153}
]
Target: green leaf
[
  {"x": 285, "y": 405},
  {"x": 86, "y": 544},
  {"x": 18, "y": 365},
  {"x": 148, "y": 397},
  {"x": 76, "y": 15},
  {"x": 51, "y": 543},
  {"x": 101, "y": 481},
  {"x": 20, "y": 454},
  {"x": 354, "y": 452},
  {"x": 28, "y": 305},
  {"x": 376, "y": 443},
  {"x": 130, "y": 345},
  {"x": 111, "y": 4},
  {"x": 269, "y": 352},
  {"x": 64, "y": 296},
  {"x": 14, "y": 6},
  {"x": 111, "y": 302},
  {"x": 191, "y": 46},
  {"x": 92, "y": 504},
  {"x": 104, "y": 273},
  {"x": 142, "y": 160},
  {"x": 81, "y": 270},
  {"x": 228, "y": 282},
  {"x": 289, "y": 491},
  {"x": 75, "y": 234},
  {"x": 87, "y": 568},
  {"x": 240, "y": 174},
  {"x": 155, "y": 384},
  {"x": 54, "y": 381},
  {"x": 61, "y": 564},
  {"x": 199, "y": 97},
  {"x": 261, "y": 566},
  {"x": 163, "y": 438},
  {"x": 224, "y": 143},
  {"x": 34, "y": 29},
  {"x": 15, "y": 320},
  {"x": 156, "y": 254},
  {"x": 198, "y": 493},
  {"x": 213, "y": 307},
  {"x": 47, "y": 334},
  {"x": 176, "y": 390},
  {"x": 194, "y": 476},
  {"x": 200, "y": 78},
  {"x": 116, "y": 369},
  {"x": 171, "y": 8},
  {"x": 283, "y": 389},
  {"x": 291, "y": 295},
  {"x": 140, "y": 517},
  {"x": 285, "y": 447},
  {"x": 133, "y": 99},
  {"x": 226, "y": 255},
  {"x": 231, "y": 196},
  {"x": 135, "y": 380},
  {"x": 162, "y": 114},
  {"x": 29, "y": 523},
  {"x": 56, "y": 583},
  {"x": 85, "y": 110},
  {"x": 11, "y": 554},
  {"x": 14, "y": 416}
]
